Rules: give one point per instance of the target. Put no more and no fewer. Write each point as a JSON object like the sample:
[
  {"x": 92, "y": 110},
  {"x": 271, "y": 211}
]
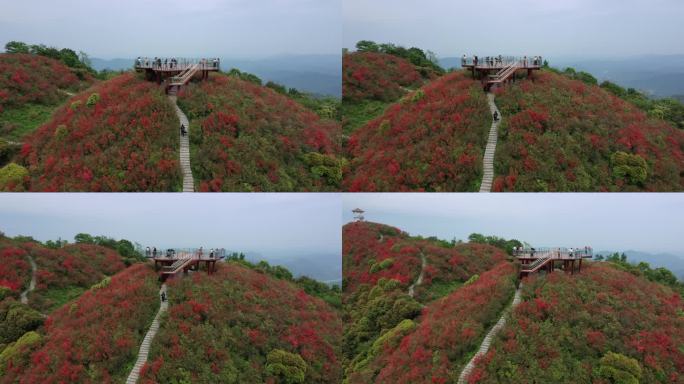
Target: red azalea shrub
[
  {"x": 433, "y": 140},
  {"x": 26, "y": 78},
  {"x": 251, "y": 138},
  {"x": 558, "y": 134},
  {"x": 220, "y": 328},
  {"x": 379, "y": 76},
  {"x": 15, "y": 271},
  {"x": 126, "y": 141},
  {"x": 565, "y": 324},
  {"x": 96, "y": 338},
  {"x": 448, "y": 330}
]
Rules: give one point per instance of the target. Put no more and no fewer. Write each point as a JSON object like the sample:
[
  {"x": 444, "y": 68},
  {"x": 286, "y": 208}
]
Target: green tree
[
  {"x": 367, "y": 46},
  {"x": 619, "y": 369},
  {"x": 84, "y": 238},
  {"x": 16, "y": 47},
  {"x": 288, "y": 367},
  {"x": 12, "y": 176},
  {"x": 17, "y": 319}
]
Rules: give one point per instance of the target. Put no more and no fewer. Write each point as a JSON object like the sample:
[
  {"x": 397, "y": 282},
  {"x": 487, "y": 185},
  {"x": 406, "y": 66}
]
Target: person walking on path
[
  {"x": 182, "y": 129},
  {"x": 496, "y": 116}
]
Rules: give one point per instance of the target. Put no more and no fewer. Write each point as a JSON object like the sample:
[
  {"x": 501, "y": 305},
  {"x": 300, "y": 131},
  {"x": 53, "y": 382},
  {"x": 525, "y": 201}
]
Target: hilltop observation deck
[
  {"x": 496, "y": 71},
  {"x": 173, "y": 261},
  {"x": 548, "y": 259},
  {"x": 176, "y": 72}
]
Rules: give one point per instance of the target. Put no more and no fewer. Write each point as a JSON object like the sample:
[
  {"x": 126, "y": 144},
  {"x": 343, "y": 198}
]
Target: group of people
[
  {"x": 498, "y": 61},
  {"x": 153, "y": 252},
  {"x": 572, "y": 252},
  {"x": 174, "y": 63}
]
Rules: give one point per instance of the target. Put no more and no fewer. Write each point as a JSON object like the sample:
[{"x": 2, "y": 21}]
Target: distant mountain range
[
  {"x": 656, "y": 75},
  {"x": 317, "y": 74},
  {"x": 674, "y": 263},
  {"x": 326, "y": 268}
]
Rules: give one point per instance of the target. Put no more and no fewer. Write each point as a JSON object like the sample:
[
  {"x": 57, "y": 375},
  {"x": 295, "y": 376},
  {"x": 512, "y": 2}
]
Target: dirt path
[
  {"x": 484, "y": 347},
  {"x": 145, "y": 346},
  {"x": 419, "y": 280},
  {"x": 488, "y": 161},
  {"x": 32, "y": 284},
  {"x": 188, "y": 181}
]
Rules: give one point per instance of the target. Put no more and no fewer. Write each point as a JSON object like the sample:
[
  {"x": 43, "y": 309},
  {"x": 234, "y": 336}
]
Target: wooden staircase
[
  {"x": 185, "y": 76},
  {"x": 181, "y": 264},
  {"x": 504, "y": 74},
  {"x": 536, "y": 265}
]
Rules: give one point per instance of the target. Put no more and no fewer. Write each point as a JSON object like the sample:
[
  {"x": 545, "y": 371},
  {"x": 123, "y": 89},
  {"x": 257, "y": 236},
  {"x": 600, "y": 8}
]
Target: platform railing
[
  {"x": 556, "y": 252},
  {"x": 494, "y": 62},
  {"x": 166, "y": 64}
]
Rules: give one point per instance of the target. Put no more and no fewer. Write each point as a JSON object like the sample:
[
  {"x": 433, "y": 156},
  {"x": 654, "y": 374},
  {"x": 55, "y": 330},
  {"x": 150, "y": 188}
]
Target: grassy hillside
[
  {"x": 432, "y": 140},
  {"x": 246, "y": 137},
  {"x": 560, "y": 134},
  {"x": 62, "y": 274},
  {"x": 393, "y": 337},
  {"x": 31, "y": 87},
  {"x": 95, "y": 339},
  {"x": 244, "y": 326},
  {"x": 122, "y": 135},
  {"x": 568, "y": 329},
  {"x": 371, "y": 81}
]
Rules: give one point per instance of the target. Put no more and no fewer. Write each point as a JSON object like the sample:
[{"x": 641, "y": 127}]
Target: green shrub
[
  {"x": 11, "y": 176},
  {"x": 619, "y": 369},
  {"x": 472, "y": 279},
  {"x": 328, "y": 167},
  {"x": 61, "y": 132},
  {"x": 631, "y": 168},
  {"x": 290, "y": 368},
  {"x": 76, "y": 104},
  {"x": 93, "y": 99},
  {"x": 12, "y": 351},
  {"x": 376, "y": 267}
]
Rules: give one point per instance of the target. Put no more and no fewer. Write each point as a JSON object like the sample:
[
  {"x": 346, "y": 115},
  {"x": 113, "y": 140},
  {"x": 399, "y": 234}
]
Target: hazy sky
[
  {"x": 650, "y": 222},
  {"x": 599, "y": 28},
  {"x": 276, "y": 225},
  {"x": 130, "y": 28}
]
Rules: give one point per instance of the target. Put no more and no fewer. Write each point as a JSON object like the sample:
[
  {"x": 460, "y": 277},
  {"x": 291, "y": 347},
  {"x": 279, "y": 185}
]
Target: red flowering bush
[
  {"x": 559, "y": 134},
  {"x": 95, "y": 339},
  {"x": 220, "y": 328},
  {"x": 15, "y": 271},
  {"x": 566, "y": 324},
  {"x": 246, "y": 137},
  {"x": 433, "y": 140},
  {"x": 37, "y": 79},
  {"x": 379, "y": 76},
  {"x": 126, "y": 139}
]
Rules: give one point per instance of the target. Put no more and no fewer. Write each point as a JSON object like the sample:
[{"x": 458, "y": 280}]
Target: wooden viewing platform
[
  {"x": 175, "y": 261},
  {"x": 174, "y": 72},
  {"x": 534, "y": 260},
  {"x": 496, "y": 71}
]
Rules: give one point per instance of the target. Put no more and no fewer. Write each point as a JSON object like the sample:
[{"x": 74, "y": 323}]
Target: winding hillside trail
[
  {"x": 188, "y": 181},
  {"x": 488, "y": 162},
  {"x": 419, "y": 280},
  {"x": 149, "y": 336},
  {"x": 32, "y": 285},
  {"x": 484, "y": 347}
]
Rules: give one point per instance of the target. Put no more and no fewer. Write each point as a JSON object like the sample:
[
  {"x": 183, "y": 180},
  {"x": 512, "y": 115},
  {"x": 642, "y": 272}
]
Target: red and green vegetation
[
  {"x": 119, "y": 136},
  {"x": 560, "y": 134},
  {"x": 31, "y": 87},
  {"x": 243, "y": 326},
  {"x": 394, "y": 336},
  {"x": 246, "y": 137},
  {"x": 15, "y": 271},
  {"x": 603, "y": 325},
  {"x": 377, "y": 76},
  {"x": 94, "y": 339},
  {"x": 433, "y": 140}
]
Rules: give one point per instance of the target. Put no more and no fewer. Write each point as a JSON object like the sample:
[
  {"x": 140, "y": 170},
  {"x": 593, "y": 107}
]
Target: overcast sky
[
  {"x": 130, "y": 28},
  {"x": 276, "y": 225},
  {"x": 597, "y": 28},
  {"x": 649, "y": 222}
]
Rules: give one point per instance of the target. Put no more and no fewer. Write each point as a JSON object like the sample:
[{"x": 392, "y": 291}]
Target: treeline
[
  {"x": 477, "y": 238},
  {"x": 329, "y": 294},
  {"x": 659, "y": 275},
  {"x": 424, "y": 60},
  {"x": 326, "y": 107},
  {"x": 667, "y": 109},
  {"x": 80, "y": 62}
]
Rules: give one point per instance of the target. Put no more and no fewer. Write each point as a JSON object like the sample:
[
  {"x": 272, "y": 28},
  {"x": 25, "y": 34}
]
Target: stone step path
[
  {"x": 32, "y": 285},
  {"x": 188, "y": 181},
  {"x": 419, "y": 280},
  {"x": 484, "y": 347},
  {"x": 488, "y": 162},
  {"x": 149, "y": 336}
]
